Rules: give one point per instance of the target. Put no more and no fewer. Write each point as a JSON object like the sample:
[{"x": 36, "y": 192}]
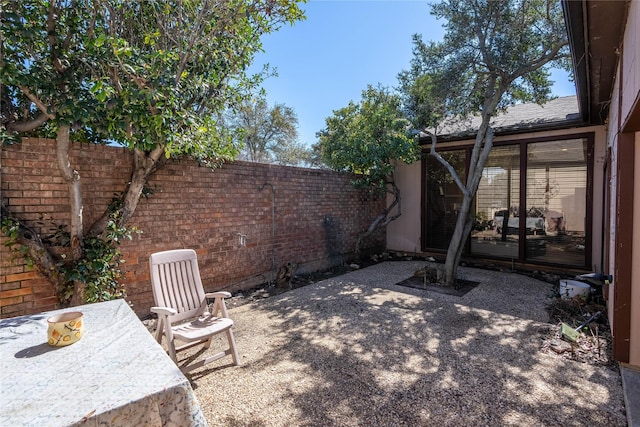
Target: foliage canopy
[
  {"x": 141, "y": 74},
  {"x": 501, "y": 50},
  {"x": 155, "y": 76},
  {"x": 269, "y": 134},
  {"x": 368, "y": 138}
]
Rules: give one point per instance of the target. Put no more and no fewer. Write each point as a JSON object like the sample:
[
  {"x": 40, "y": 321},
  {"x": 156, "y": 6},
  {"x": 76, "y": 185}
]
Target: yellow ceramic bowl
[{"x": 65, "y": 328}]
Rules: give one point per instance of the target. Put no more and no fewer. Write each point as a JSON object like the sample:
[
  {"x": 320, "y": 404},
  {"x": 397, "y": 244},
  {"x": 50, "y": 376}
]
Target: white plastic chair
[{"x": 182, "y": 306}]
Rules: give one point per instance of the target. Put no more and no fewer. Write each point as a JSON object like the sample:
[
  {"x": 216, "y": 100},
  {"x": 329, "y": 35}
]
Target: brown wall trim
[
  {"x": 522, "y": 203},
  {"x": 423, "y": 198},
  {"x": 623, "y": 247},
  {"x": 590, "y": 208}
]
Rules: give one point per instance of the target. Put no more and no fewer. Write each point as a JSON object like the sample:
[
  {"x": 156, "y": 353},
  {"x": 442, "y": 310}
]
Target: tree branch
[
  {"x": 27, "y": 126},
  {"x": 384, "y": 218},
  {"x": 143, "y": 166},
  {"x": 33, "y": 98},
  {"x": 51, "y": 32},
  {"x": 195, "y": 34},
  {"x": 537, "y": 64},
  {"x": 445, "y": 163}
]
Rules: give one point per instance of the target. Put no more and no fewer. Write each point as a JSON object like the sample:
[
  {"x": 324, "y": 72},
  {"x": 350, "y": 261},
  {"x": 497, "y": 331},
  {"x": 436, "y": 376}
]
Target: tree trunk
[
  {"x": 143, "y": 166},
  {"x": 458, "y": 240},
  {"x": 37, "y": 251},
  {"x": 479, "y": 155},
  {"x": 72, "y": 178},
  {"x": 383, "y": 219},
  {"x": 464, "y": 222}
]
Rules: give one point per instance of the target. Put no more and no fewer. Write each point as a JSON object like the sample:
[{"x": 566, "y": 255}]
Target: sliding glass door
[
  {"x": 557, "y": 195},
  {"x": 543, "y": 219},
  {"x": 443, "y": 198},
  {"x": 496, "y": 227}
]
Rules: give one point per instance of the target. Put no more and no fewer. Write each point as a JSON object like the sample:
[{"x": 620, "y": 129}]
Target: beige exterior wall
[
  {"x": 631, "y": 61},
  {"x": 404, "y": 233},
  {"x": 622, "y": 103},
  {"x": 612, "y": 143}
]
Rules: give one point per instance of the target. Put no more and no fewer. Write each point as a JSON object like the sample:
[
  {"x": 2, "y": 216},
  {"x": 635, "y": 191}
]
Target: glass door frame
[{"x": 523, "y": 144}]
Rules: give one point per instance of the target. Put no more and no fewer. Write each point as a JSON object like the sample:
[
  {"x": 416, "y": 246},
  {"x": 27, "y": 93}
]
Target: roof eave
[
  {"x": 595, "y": 30},
  {"x": 573, "y": 13},
  {"x": 508, "y": 131}
]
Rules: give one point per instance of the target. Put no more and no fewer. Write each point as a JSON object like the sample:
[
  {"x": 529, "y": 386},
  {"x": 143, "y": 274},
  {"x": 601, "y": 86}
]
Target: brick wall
[{"x": 225, "y": 215}]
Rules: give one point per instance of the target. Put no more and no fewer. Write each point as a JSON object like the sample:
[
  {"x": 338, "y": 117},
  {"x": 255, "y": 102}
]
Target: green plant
[
  {"x": 369, "y": 138},
  {"x": 480, "y": 221},
  {"x": 98, "y": 269},
  {"x": 11, "y": 229}
]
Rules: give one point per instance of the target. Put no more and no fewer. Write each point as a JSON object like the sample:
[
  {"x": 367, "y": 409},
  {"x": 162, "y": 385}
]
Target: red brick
[
  {"x": 21, "y": 276},
  {"x": 191, "y": 207},
  {"x": 16, "y": 309},
  {"x": 45, "y": 304},
  {"x": 15, "y": 293},
  {"x": 10, "y": 301},
  {"x": 8, "y": 286}
]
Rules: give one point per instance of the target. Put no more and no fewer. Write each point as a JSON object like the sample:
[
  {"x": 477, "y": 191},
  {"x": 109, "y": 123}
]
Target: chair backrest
[{"x": 175, "y": 280}]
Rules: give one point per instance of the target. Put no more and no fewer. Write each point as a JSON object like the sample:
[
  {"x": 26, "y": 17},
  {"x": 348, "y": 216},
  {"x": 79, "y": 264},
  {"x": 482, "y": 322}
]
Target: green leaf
[{"x": 99, "y": 41}]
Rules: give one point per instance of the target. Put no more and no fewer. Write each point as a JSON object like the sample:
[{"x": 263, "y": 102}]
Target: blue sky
[{"x": 327, "y": 60}]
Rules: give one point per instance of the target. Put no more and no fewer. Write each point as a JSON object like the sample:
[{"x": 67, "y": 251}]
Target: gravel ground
[{"x": 357, "y": 350}]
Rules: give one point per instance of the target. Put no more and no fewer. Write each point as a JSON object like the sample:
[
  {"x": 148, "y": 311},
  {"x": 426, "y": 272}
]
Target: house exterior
[
  {"x": 561, "y": 188},
  {"x": 605, "y": 41}
]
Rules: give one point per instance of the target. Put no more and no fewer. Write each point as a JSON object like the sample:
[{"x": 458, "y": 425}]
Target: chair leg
[
  {"x": 208, "y": 343},
  {"x": 232, "y": 347},
  {"x": 159, "y": 330},
  {"x": 172, "y": 351},
  {"x": 171, "y": 345}
]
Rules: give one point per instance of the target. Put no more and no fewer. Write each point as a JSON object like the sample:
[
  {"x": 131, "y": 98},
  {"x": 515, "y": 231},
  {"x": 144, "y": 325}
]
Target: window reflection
[
  {"x": 550, "y": 217},
  {"x": 496, "y": 227},
  {"x": 556, "y": 194},
  {"x": 443, "y": 199}
]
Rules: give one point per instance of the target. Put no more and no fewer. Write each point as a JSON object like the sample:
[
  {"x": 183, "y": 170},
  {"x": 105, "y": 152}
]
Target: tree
[
  {"x": 269, "y": 133},
  {"x": 368, "y": 139},
  {"x": 494, "y": 54},
  {"x": 293, "y": 153},
  {"x": 155, "y": 76}
]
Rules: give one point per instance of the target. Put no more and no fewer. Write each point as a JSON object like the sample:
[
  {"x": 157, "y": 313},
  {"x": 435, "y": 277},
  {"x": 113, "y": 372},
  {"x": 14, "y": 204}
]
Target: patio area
[{"x": 359, "y": 350}]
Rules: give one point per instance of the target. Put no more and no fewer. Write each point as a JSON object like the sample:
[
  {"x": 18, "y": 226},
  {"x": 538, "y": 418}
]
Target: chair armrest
[
  {"x": 219, "y": 294},
  {"x": 218, "y": 304},
  {"x": 166, "y": 311}
]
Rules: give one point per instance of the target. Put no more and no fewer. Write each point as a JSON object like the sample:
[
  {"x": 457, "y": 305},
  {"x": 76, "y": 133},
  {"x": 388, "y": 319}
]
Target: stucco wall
[
  {"x": 612, "y": 142},
  {"x": 625, "y": 97},
  {"x": 625, "y": 100},
  {"x": 403, "y": 234},
  {"x": 631, "y": 61}
]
